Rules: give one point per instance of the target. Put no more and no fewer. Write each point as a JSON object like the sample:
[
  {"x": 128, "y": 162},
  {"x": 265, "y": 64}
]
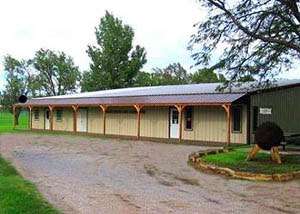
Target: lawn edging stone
[{"x": 195, "y": 159}]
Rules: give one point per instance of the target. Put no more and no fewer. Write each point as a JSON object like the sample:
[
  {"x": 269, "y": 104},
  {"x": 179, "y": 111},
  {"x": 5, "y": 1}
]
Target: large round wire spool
[
  {"x": 22, "y": 99},
  {"x": 268, "y": 135}
]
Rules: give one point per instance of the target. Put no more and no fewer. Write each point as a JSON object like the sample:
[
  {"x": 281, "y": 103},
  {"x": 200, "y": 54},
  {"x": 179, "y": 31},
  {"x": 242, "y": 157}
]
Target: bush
[{"x": 268, "y": 135}]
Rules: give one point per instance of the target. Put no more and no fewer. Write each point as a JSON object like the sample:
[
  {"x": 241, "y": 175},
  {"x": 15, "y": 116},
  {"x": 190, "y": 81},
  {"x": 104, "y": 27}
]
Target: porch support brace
[
  {"x": 14, "y": 116},
  {"x": 104, "y": 108},
  {"x": 227, "y": 109},
  {"x": 138, "y": 110},
  {"x": 51, "y": 116},
  {"x": 30, "y": 117},
  {"x": 180, "y": 109},
  {"x": 75, "y": 112}
]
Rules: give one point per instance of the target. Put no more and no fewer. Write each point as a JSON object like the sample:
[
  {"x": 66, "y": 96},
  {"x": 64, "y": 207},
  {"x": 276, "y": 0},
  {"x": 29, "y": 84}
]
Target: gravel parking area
[{"x": 92, "y": 175}]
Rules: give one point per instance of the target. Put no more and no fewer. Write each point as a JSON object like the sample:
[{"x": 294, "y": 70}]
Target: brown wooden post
[
  {"x": 75, "y": 112},
  {"x": 14, "y": 116},
  {"x": 30, "y": 117},
  {"x": 138, "y": 110},
  {"x": 104, "y": 108},
  {"x": 180, "y": 109},
  {"x": 51, "y": 116},
  {"x": 228, "y": 113}
]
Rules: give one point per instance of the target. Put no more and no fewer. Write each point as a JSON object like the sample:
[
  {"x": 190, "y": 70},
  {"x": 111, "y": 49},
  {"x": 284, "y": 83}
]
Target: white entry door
[
  {"x": 174, "y": 123},
  {"x": 82, "y": 120},
  {"x": 47, "y": 119}
]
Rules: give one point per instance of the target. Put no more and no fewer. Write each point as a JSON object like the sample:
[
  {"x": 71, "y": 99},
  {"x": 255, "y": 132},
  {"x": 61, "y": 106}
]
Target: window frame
[
  {"x": 36, "y": 112},
  {"x": 240, "y": 107},
  {"x": 255, "y": 118},
  {"x": 61, "y": 115},
  {"x": 191, "y": 117}
]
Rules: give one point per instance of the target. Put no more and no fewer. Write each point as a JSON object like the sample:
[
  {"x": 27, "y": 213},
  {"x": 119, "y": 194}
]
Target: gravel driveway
[{"x": 90, "y": 175}]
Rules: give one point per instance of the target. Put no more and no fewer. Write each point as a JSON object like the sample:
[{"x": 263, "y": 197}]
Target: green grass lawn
[
  {"x": 18, "y": 195},
  {"x": 6, "y": 121},
  {"x": 236, "y": 160}
]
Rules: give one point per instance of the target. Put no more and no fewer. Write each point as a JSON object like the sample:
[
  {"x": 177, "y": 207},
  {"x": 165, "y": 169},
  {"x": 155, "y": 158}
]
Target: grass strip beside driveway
[{"x": 18, "y": 195}]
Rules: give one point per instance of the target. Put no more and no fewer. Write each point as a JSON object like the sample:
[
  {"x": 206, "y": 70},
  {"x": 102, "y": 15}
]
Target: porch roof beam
[{"x": 125, "y": 104}]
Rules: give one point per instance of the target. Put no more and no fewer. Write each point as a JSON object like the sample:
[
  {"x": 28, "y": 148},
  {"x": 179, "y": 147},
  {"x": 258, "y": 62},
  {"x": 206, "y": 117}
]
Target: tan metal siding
[
  {"x": 285, "y": 104},
  {"x": 121, "y": 123},
  {"x": 38, "y": 124},
  {"x": 155, "y": 122},
  {"x": 210, "y": 124},
  {"x": 95, "y": 120},
  {"x": 66, "y": 124}
]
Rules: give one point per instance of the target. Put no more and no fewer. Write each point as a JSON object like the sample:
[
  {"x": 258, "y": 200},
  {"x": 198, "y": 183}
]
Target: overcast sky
[{"x": 163, "y": 27}]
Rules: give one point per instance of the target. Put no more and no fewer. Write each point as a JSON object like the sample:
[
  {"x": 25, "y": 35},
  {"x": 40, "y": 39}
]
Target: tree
[
  {"x": 173, "y": 74},
  {"x": 143, "y": 79},
  {"x": 246, "y": 78},
  {"x": 58, "y": 74},
  {"x": 20, "y": 80},
  {"x": 261, "y": 37},
  {"x": 206, "y": 76},
  {"x": 115, "y": 63}
]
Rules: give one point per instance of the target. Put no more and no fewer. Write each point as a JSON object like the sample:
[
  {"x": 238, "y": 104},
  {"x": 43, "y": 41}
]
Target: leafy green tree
[
  {"x": 173, "y": 74},
  {"x": 222, "y": 78},
  {"x": 260, "y": 36},
  {"x": 204, "y": 76},
  {"x": 143, "y": 79},
  {"x": 114, "y": 61},
  {"x": 246, "y": 78},
  {"x": 20, "y": 80},
  {"x": 57, "y": 72}
]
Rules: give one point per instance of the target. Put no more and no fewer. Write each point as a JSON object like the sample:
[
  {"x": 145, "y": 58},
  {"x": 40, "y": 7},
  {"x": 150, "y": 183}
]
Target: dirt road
[{"x": 90, "y": 175}]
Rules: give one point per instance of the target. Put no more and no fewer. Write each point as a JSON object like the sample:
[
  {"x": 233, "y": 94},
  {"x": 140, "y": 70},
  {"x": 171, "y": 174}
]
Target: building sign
[{"x": 265, "y": 110}]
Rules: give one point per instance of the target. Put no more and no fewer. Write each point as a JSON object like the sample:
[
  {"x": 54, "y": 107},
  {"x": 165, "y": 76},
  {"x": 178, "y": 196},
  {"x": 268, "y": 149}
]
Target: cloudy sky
[{"x": 163, "y": 27}]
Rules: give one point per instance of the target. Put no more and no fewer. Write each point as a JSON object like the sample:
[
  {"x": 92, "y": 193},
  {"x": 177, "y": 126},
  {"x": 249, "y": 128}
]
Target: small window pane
[
  {"x": 47, "y": 114},
  {"x": 36, "y": 114},
  {"x": 59, "y": 115},
  {"x": 175, "y": 117},
  {"x": 237, "y": 119},
  {"x": 189, "y": 118}
]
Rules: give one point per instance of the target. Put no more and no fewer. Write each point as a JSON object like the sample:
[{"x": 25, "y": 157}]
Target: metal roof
[
  {"x": 150, "y": 100},
  {"x": 207, "y": 93}
]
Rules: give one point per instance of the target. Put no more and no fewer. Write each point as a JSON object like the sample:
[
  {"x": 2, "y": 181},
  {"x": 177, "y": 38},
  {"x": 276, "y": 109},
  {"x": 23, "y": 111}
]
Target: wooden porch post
[
  {"x": 228, "y": 113},
  {"x": 51, "y": 116},
  {"x": 30, "y": 117},
  {"x": 138, "y": 110},
  {"x": 14, "y": 116},
  {"x": 180, "y": 109},
  {"x": 104, "y": 108},
  {"x": 75, "y": 111}
]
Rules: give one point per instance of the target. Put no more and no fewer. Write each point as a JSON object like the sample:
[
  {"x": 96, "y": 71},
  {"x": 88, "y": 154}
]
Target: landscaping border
[{"x": 195, "y": 159}]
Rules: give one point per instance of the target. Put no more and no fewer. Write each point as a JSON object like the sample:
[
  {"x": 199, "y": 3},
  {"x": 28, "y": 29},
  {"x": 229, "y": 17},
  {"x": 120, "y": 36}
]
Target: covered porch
[{"x": 178, "y": 113}]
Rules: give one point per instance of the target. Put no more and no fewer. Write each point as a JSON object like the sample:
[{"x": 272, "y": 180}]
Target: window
[
  {"x": 175, "y": 116},
  {"x": 189, "y": 118},
  {"x": 59, "y": 114},
  {"x": 36, "y": 114},
  {"x": 255, "y": 118},
  {"x": 47, "y": 114},
  {"x": 237, "y": 119}
]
